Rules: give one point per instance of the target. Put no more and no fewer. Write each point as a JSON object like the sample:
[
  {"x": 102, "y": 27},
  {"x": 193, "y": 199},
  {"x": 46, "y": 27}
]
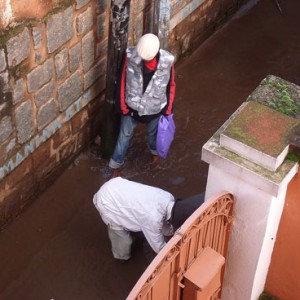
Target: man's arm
[
  {"x": 121, "y": 90},
  {"x": 170, "y": 93},
  {"x": 154, "y": 238}
]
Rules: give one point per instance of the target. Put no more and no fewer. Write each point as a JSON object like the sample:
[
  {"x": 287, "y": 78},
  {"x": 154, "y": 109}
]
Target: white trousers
[{"x": 121, "y": 242}]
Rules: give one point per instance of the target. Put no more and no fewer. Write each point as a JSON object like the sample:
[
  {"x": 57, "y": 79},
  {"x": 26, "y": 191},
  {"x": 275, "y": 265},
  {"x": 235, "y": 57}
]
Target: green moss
[
  {"x": 16, "y": 71},
  {"x": 254, "y": 127},
  {"x": 64, "y": 5},
  {"x": 237, "y": 132},
  {"x": 293, "y": 157},
  {"x": 283, "y": 102},
  {"x": 266, "y": 296},
  {"x": 11, "y": 32}
]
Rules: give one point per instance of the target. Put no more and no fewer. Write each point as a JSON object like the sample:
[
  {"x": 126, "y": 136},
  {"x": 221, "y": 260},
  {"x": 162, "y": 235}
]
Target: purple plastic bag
[{"x": 165, "y": 135}]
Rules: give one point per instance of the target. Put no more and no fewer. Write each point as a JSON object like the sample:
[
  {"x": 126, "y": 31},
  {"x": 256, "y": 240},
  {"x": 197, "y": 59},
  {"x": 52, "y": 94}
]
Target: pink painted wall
[{"x": 283, "y": 279}]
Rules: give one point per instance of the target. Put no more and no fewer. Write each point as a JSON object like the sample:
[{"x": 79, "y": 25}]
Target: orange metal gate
[{"x": 191, "y": 265}]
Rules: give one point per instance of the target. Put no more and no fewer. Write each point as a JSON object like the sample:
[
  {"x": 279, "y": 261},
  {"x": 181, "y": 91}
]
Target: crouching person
[{"x": 126, "y": 206}]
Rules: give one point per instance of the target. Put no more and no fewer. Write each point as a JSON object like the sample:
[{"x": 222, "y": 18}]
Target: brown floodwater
[{"x": 58, "y": 248}]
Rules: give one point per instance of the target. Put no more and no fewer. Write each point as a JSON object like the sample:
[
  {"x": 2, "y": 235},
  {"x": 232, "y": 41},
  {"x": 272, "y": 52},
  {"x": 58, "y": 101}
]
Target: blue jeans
[{"x": 128, "y": 124}]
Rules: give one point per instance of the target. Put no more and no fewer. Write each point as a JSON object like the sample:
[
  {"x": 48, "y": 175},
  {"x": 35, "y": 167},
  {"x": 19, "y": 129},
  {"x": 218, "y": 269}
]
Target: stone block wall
[
  {"x": 52, "y": 83},
  {"x": 141, "y": 19},
  {"x": 53, "y": 61},
  {"x": 193, "y": 21}
]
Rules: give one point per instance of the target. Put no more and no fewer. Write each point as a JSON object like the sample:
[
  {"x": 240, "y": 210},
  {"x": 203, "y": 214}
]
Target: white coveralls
[{"x": 127, "y": 206}]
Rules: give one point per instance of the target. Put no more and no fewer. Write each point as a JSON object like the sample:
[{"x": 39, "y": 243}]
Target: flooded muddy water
[{"x": 58, "y": 248}]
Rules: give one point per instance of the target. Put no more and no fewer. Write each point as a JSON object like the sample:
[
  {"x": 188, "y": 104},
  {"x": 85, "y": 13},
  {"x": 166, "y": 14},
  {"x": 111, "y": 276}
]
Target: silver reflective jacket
[{"x": 154, "y": 99}]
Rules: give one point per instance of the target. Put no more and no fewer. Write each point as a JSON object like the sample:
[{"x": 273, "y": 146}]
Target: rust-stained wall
[
  {"x": 53, "y": 60},
  {"x": 13, "y": 12},
  {"x": 283, "y": 280}
]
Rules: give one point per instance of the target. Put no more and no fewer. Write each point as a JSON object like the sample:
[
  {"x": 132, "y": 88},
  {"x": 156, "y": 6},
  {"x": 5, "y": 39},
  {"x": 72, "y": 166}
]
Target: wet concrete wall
[{"x": 53, "y": 60}]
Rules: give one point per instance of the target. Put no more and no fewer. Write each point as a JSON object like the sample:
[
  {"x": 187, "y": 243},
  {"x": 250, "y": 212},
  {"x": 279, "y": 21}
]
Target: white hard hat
[{"x": 148, "y": 46}]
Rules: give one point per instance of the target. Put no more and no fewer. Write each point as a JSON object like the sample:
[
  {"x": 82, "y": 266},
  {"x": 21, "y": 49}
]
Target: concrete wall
[
  {"x": 256, "y": 217},
  {"x": 281, "y": 280},
  {"x": 53, "y": 60},
  {"x": 261, "y": 194}
]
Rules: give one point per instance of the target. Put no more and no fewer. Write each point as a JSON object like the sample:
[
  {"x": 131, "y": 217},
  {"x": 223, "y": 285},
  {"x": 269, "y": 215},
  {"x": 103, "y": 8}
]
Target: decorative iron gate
[{"x": 191, "y": 265}]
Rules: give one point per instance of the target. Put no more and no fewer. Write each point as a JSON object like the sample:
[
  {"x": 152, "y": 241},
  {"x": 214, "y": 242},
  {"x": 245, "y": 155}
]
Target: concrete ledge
[
  {"x": 268, "y": 161},
  {"x": 261, "y": 178}
]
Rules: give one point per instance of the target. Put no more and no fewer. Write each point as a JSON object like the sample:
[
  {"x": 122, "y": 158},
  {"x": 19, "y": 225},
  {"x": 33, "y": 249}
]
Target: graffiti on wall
[{"x": 46, "y": 134}]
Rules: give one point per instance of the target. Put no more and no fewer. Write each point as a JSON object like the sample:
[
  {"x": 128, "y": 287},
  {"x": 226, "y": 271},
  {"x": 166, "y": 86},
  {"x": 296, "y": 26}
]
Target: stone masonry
[{"x": 49, "y": 73}]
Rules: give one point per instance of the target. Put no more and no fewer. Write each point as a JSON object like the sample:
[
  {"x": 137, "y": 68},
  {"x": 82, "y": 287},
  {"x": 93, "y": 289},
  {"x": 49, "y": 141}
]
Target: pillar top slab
[
  {"x": 243, "y": 146},
  {"x": 259, "y": 134}
]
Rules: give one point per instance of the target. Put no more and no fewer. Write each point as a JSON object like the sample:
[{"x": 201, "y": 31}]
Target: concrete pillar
[{"x": 239, "y": 167}]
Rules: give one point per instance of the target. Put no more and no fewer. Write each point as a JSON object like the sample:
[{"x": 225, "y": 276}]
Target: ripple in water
[{"x": 177, "y": 180}]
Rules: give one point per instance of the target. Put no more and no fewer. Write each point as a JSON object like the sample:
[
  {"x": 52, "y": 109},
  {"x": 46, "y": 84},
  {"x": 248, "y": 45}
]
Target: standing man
[
  {"x": 126, "y": 206},
  {"x": 146, "y": 90}
]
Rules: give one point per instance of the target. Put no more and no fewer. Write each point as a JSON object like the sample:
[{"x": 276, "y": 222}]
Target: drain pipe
[
  {"x": 117, "y": 44},
  {"x": 162, "y": 15}
]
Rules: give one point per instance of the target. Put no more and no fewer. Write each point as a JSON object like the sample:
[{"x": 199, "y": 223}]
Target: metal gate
[{"x": 191, "y": 265}]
